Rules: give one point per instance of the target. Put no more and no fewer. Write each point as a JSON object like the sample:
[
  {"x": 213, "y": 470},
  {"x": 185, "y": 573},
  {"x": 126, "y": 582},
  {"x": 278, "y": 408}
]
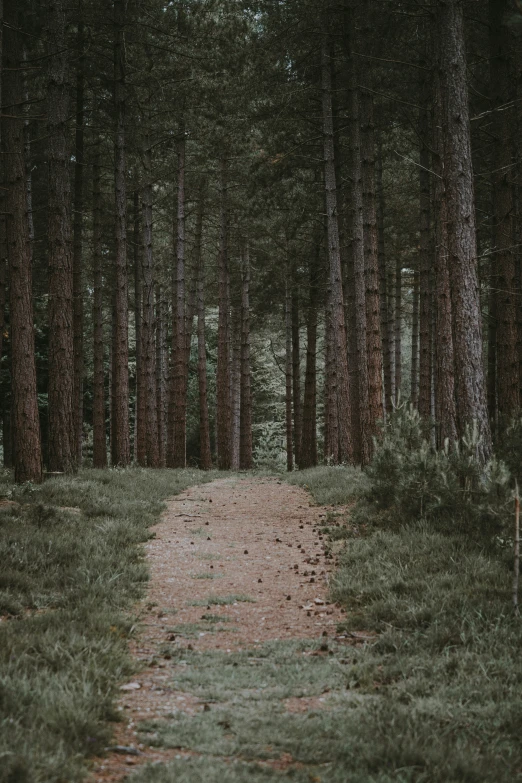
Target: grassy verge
[
  {"x": 434, "y": 698},
  {"x": 72, "y": 566}
]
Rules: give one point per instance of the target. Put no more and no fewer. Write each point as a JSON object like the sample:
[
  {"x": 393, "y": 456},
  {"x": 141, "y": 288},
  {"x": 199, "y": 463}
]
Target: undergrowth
[{"x": 71, "y": 568}]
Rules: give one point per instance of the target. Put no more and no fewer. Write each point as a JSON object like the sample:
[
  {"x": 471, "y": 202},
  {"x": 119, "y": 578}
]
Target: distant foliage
[{"x": 410, "y": 480}]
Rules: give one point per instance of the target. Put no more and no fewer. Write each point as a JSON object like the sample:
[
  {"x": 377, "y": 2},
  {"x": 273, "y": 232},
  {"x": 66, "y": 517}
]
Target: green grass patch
[
  {"x": 330, "y": 485},
  {"x": 72, "y": 567}
]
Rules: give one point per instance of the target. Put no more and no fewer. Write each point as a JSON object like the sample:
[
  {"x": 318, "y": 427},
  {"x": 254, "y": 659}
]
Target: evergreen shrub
[{"x": 410, "y": 480}]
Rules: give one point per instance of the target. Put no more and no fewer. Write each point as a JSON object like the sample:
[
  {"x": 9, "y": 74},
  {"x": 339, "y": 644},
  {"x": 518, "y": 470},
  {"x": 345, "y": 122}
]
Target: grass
[
  {"x": 435, "y": 698},
  {"x": 330, "y": 486},
  {"x": 72, "y": 567}
]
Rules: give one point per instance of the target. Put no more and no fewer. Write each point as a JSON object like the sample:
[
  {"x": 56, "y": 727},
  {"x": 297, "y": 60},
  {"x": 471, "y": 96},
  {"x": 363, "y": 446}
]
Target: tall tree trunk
[
  {"x": 331, "y": 411},
  {"x": 370, "y": 237},
  {"x": 222, "y": 373},
  {"x": 27, "y": 454},
  {"x": 161, "y": 374},
  {"x": 383, "y": 284},
  {"x": 180, "y": 360},
  {"x": 296, "y": 368},
  {"x": 338, "y": 330},
  {"x": 309, "y": 432},
  {"x": 62, "y": 441},
  {"x": 362, "y": 417},
  {"x": 398, "y": 328},
  {"x": 235, "y": 386},
  {"x": 288, "y": 374},
  {"x": 426, "y": 258},
  {"x": 502, "y": 87},
  {"x": 148, "y": 326},
  {"x": 140, "y": 424},
  {"x": 205, "y": 457},
  {"x": 78, "y": 238},
  {"x": 245, "y": 445},
  {"x": 444, "y": 363},
  {"x": 415, "y": 339},
  {"x": 462, "y": 250},
  {"x": 99, "y": 450},
  {"x": 120, "y": 358}
]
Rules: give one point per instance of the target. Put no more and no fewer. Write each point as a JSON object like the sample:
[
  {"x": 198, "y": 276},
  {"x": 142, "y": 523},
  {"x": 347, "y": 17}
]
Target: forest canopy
[{"x": 239, "y": 232}]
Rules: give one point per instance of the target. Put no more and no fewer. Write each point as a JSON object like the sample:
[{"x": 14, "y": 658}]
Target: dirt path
[{"x": 234, "y": 563}]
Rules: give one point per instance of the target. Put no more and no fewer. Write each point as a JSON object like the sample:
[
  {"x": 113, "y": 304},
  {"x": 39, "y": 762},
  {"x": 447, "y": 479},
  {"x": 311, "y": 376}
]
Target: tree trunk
[
  {"x": 120, "y": 358},
  {"x": 370, "y": 239},
  {"x": 426, "y": 259},
  {"x": 398, "y": 329},
  {"x": 148, "y": 357},
  {"x": 99, "y": 450},
  {"x": 140, "y": 424},
  {"x": 415, "y": 339},
  {"x": 331, "y": 411},
  {"x": 180, "y": 359},
  {"x": 462, "y": 251},
  {"x": 235, "y": 386},
  {"x": 27, "y": 453},
  {"x": 78, "y": 239},
  {"x": 296, "y": 368},
  {"x": 309, "y": 433},
  {"x": 245, "y": 445},
  {"x": 222, "y": 374},
  {"x": 161, "y": 374},
  {"x": 62, "y": 441},
  {"x": 288, "y": 374},
  {"x": 362, "y": 417},
  {"x": 502, "y": 89},
  {"x": 383, "y": 285},
  {"x": 205, "y": 457},
  {"x": 338, "y": 330}
]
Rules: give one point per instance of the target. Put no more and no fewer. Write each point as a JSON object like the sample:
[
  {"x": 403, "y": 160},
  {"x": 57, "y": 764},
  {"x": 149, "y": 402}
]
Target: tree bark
[
  {"x": 180, "y": 359},
  {"x": 62, "y": 440},
  {"x": 148, "y": 357},
  {"x": 78, "y": 237},
  {"x": 502, "y": 89},
  {"x": 140, "y": 424},
  {"x": 362, "y": 417},
  {"x": 370, "y": 238},
  {"x": 414, "y": 394},
  {"x": 245, "y": 446},
  {"x": 471, "y": 404},
  {"x": 296, "y": 368},
  {"x": 27, "y": 451},
  {"x": 309, "y": 433},
  {"x": 99, "y": 451},
  {"x": 235, "y": 385},
  {"x": 398, "y": 329},
  {"x": 205, "y": 457},
  {"x": 338, "y": 330},
  {"x": 223, "y": 371},
  {"x": 161, "y": 373},
  {"x": 426, "y": 258},
  {"x": 383, "y": 285},
  {"x": 120, "y": 413}
]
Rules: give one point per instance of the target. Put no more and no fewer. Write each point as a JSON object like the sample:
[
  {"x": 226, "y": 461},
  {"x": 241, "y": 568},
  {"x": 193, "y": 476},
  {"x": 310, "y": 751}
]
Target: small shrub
[{"x": 409, "y": 480}]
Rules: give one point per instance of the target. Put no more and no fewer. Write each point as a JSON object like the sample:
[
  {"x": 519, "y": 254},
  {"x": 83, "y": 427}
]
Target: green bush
[{"x": 410, "y": 480}]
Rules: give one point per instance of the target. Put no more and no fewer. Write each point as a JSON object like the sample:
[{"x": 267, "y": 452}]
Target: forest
[{"x": 266, "y": 255}]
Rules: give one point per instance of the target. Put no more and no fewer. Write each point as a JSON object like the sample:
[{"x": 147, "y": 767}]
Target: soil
[{"x": 232, "y": 539}]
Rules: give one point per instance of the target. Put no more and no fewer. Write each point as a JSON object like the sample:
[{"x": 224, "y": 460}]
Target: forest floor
[
  {"x": 236, "y": 565},
  {"x": 276, "y": 639}
]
